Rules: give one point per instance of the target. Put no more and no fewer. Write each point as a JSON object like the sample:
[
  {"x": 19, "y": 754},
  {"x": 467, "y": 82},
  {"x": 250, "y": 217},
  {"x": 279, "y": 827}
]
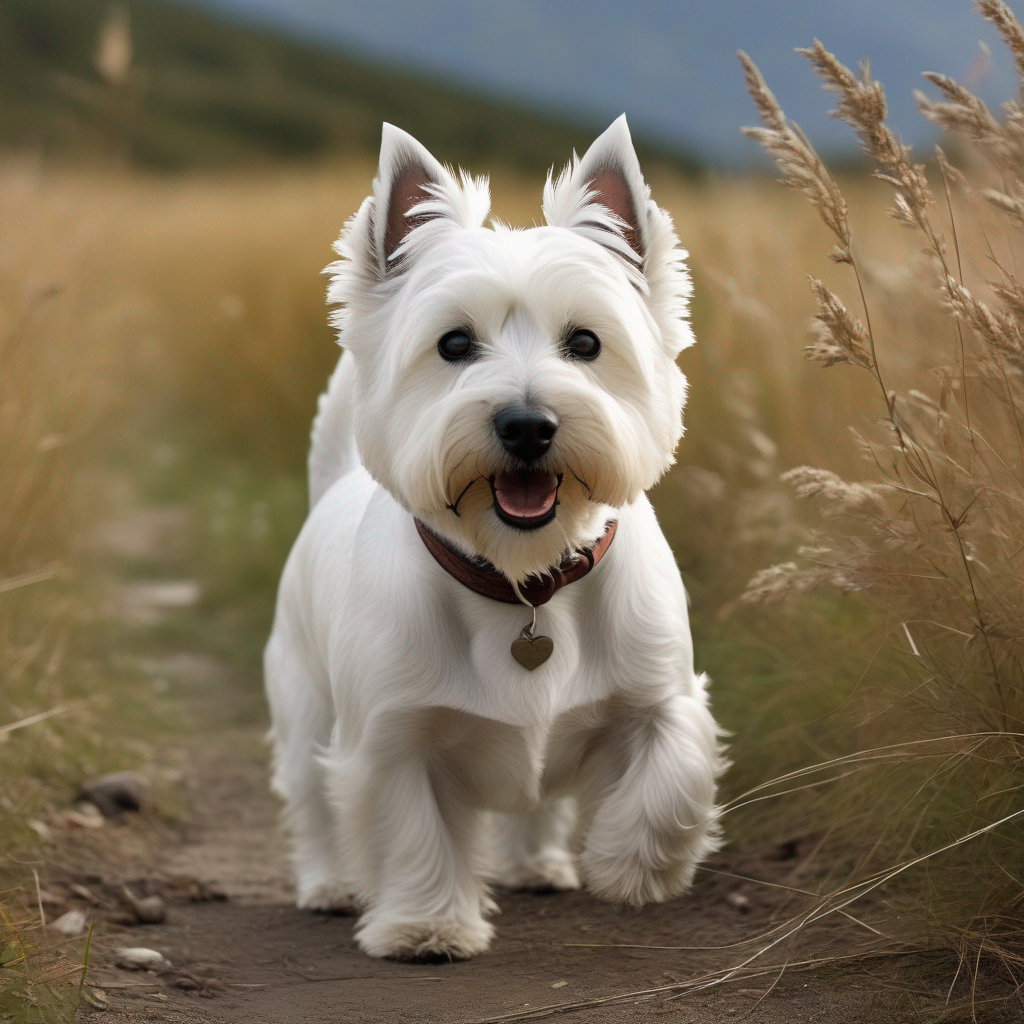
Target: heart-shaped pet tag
[{"x": 532, "y": 651}]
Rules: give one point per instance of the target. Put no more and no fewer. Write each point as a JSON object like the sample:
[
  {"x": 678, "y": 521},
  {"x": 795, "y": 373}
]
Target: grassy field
[
  {"x": 164, "y": 340},
  {"x": 192, "y": 328}
]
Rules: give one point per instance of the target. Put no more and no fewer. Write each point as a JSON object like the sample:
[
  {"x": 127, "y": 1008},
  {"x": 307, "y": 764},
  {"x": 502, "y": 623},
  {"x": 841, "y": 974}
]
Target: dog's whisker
[
  {"x": 583, "y": 483},
  {"x": 454, "y": 506}
]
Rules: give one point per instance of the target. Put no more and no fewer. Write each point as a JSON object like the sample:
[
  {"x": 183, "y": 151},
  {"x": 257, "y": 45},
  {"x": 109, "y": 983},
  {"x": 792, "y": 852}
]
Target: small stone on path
[
  {"x": 70, "y": 924},
  {"x": 41, "y": 829},
  {"x": 84, "y": 814},
  {"x": 139, "y": 958},
  {"x": 116, "y": 792},
  {"x": 148, "y": 909},
  {"x": 739, "y": 902}
]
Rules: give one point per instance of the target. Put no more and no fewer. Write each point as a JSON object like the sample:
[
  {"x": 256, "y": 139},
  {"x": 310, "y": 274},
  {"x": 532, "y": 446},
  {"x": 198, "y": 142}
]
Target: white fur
[{"x": 399, "y": 715}]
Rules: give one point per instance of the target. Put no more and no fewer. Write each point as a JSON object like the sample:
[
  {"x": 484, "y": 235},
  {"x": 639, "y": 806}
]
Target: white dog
[{"x": 504, "y": 399}]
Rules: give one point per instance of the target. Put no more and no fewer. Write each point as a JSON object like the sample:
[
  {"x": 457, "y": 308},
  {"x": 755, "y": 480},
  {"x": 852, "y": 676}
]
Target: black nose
[{"x": 525, "y": 430}]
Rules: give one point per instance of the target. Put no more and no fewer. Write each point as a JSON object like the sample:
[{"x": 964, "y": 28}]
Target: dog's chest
[{"x": 498, "y": 686}]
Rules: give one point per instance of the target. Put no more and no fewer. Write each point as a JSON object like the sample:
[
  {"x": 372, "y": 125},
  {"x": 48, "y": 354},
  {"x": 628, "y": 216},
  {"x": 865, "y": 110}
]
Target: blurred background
[{"x": 172, "y": 176}]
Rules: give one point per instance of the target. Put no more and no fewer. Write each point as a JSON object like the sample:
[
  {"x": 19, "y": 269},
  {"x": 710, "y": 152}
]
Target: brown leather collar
[{"x": 537, "y": 590}]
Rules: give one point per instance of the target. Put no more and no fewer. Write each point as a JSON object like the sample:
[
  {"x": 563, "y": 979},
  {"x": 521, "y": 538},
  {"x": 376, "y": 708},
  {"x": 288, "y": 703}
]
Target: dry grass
[
  {"x": 42, "y": 980},
  {"x": 932, "y": 538},
  {"x": 55, "y": 391},
  {"x": 205, "y": 293},
  {"x": 189, "y": 311}
]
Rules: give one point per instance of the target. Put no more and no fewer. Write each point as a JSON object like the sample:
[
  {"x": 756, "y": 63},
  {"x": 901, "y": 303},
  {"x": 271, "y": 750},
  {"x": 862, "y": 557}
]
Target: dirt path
[{"x": 254, "y": 958}]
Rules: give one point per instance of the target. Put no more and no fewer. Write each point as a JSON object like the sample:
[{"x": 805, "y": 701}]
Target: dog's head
[{"x": 514, "y": 386}]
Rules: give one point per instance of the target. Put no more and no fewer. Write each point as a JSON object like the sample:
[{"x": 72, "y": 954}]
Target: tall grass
[
  {"x": 932, "y": 535},
  {"x": 60, "y": 716},
  {"x": 189, "y": 312},
  {"x": 37, "y": 426}
]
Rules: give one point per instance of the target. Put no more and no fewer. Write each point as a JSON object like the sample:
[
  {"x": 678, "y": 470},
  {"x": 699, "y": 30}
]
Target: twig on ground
[
  {"x": 28, "y": 578},
  {"x": 39, "y": 899},
  {"x": 682, "y": 988},
  {"x": 85, "y": 961},
  {"x": 32, "y": 719}
]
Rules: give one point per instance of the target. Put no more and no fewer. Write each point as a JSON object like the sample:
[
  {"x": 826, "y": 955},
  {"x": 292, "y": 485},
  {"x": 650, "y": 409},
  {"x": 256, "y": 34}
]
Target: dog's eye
[
  {"x": 455, "y": 345},
  {"x": 582, "y": 345}
]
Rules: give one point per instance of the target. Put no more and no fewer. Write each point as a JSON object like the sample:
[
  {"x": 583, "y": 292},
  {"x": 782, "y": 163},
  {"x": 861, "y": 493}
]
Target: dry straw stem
[
  {"x": 797, "y": 159},
  {"x": 1000, "y": 15},
  {"x": 50, "y": 385},
  {"x": 113, "y": 56},
  {"x": 826, "y": 905},
  {"x": 965, "y": 113},
  {"x": 802, "y": 168},
  {"x": 37, "y": 976},
  {"x": 1011, "y": 204},
  {"x": 709, "y": 979},
  {"x": 21, "y": 723},
  {"x": 839, "y": 336},
  {"x": 26, "y": 579},
  {"x": 861, "y": 104},
  {"x": 936, "y": 538},
  {"x": 958, "y": 744},
  {"x": 1001, "y": 330}
]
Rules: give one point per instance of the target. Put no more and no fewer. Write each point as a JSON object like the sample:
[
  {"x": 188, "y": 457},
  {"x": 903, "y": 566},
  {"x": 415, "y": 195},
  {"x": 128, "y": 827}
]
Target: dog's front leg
[
  {"x": 649, "y": 794},
  {"x": 419, "y": 844},
  {"x": 531, "y": 851}
]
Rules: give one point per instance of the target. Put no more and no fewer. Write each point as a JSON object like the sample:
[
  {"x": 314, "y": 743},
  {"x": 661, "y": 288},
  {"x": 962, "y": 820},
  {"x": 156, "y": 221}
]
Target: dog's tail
[{"x": 332, "y": 451}]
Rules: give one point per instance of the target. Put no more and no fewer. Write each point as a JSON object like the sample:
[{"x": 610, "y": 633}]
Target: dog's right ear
[{"x": 410, "y": 189}]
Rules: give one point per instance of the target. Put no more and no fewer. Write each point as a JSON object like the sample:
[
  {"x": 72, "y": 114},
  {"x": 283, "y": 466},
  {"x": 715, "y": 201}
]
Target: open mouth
[{"x": 525, "y": 498}]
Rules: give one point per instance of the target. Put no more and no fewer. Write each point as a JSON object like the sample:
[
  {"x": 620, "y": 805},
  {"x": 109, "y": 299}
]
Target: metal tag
[{"x": 532, "y": 651}]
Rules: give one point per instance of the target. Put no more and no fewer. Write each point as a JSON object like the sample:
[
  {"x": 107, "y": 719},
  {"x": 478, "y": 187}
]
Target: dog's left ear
[{"x": 604, "y": 195}]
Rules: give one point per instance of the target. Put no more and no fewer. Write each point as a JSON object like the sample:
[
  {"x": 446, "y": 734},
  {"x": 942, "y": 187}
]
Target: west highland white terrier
[{"x": 480, "y": 669}]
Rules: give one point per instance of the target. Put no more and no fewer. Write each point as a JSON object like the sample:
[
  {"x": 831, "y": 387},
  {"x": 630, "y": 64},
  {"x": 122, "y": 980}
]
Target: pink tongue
[{"x": 527, "y": 494}]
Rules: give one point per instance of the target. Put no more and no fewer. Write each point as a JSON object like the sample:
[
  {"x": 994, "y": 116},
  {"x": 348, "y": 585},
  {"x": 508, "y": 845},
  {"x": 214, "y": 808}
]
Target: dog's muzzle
[{"x": 525, "y": 498}]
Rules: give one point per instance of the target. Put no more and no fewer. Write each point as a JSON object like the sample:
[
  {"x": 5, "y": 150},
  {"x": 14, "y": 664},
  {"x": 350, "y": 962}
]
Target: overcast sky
[{"x": 670, "y": 66}]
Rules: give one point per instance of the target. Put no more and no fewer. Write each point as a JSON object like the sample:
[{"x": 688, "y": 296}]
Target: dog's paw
[
  {"x": 549, "y": 871},
  {"x": 328, "y": 898},
  {"x": 437, "y": 938},
  {"x": 629, "y": 878}
]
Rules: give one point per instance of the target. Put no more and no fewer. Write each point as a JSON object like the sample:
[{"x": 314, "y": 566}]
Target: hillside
[{"x": 206, "y": 92}]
